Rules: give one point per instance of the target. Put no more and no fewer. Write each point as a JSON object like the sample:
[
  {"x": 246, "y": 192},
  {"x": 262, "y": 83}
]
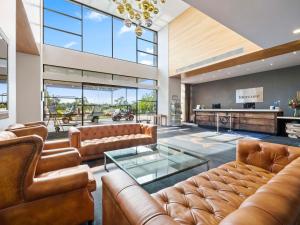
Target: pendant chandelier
[{"x": 140, "y": 12}]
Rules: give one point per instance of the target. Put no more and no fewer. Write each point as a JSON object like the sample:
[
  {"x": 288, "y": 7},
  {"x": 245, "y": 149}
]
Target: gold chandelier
[{"x": 142, "y": 13}]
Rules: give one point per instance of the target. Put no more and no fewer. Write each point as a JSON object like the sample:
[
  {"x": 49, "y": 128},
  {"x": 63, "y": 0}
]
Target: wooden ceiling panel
[{"x": 194, "y": 37}]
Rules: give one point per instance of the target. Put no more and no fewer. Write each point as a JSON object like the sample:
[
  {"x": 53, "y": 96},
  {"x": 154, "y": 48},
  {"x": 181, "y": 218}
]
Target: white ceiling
[
  {"x": 267, "y": 23},
  {"x": 278, "y": 62},
  {"x": 170, "y": 10}
]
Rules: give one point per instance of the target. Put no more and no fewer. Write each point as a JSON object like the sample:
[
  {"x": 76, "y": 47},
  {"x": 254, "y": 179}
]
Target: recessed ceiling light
[
  {"x": 263, "y": 60},
  {"x": 297, "y": 31},
  {"x": 294, "y": 53},
  {"x": 271, "y": 64}
]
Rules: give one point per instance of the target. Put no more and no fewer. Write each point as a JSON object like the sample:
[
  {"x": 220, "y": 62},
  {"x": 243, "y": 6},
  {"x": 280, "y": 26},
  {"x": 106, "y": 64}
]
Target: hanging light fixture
[{"x": 140, "y": 12}]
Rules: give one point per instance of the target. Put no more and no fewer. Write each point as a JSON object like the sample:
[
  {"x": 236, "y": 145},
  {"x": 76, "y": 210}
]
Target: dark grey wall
[{"x": 279, "y": 84}]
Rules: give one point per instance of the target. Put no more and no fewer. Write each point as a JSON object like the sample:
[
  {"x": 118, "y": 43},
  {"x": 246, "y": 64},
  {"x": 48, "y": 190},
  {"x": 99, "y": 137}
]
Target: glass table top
[{"x": 147, "y": 164}]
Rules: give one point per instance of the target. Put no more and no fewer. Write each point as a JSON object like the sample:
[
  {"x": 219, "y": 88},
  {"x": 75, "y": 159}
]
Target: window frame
[
  {"x": 82, "y": 84},
  {"x": 155, "y": 42}
]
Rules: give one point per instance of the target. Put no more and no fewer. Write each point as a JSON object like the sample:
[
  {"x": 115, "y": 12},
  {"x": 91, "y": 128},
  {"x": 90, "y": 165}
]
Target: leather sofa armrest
[
  {"x": 64, "y": 143},
  {"x": 58, "y": 161},
  {"x": 35, "y": 123},
  {"x": 269, "y": 156},
  {"x": 125, "y": 202},
  {"x": 149, "y": 129},
  {"x": 74, "y": 137},
  {"x": 35, "y": 130},
  {"x": 60, "y": 183},
  {"x": 58, "y": 150}
]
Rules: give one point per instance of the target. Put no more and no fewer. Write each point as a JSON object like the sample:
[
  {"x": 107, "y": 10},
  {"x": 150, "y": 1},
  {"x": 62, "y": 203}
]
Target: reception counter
[{"x": 257, "y": 120}]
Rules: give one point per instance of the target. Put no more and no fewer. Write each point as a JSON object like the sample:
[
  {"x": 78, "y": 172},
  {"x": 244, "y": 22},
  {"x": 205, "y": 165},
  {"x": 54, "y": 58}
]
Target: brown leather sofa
[
  {"x": 262, "y": 187},
  {"x": 93, "y": 141},
  {"x": 29, "y": 197}
]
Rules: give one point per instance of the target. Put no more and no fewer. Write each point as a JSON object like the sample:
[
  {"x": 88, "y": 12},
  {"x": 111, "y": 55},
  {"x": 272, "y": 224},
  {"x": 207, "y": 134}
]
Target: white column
[{"x": 8, "y": 26}]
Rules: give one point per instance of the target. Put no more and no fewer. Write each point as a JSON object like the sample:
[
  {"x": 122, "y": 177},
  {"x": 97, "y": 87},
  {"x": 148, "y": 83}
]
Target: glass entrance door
[{"x": 109, "y": 104}]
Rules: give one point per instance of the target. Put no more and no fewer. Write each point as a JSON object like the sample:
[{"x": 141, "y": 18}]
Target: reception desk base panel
[{"x": 257, "y": 121}]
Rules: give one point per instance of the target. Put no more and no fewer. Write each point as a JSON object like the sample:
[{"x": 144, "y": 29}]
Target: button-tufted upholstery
[
  {"x": 261, "y": 188},
  {"x": 209, "y": 197},
  {"x": 93, "y": 141}
]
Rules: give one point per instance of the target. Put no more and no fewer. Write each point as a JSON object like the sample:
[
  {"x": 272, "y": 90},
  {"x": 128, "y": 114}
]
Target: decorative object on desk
[
  {"x": 294, "y": 103},
  {"x": 277, "y": 104},
  {"x": 198, "y": 107}
]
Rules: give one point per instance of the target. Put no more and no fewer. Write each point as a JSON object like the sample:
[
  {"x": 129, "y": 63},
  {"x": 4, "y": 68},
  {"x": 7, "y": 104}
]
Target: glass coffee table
[{"x": 150, "y": 163}]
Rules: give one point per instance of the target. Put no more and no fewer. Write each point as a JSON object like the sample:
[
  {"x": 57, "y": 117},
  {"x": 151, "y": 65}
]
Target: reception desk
[{"x": 257, "y": 120}]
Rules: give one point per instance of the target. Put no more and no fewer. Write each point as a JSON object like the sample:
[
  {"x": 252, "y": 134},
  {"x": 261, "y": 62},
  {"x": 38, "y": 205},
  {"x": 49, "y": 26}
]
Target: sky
[{"x": 97, "y": 34}]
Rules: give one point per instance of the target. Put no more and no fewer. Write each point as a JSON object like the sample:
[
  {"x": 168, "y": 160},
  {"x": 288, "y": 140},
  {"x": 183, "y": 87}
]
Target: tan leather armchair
[
  {"x": 40, "y": 129},
  {"x": 59, "y": 197}
]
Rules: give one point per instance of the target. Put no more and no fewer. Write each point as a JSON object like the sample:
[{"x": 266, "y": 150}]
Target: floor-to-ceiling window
[
  {"x": 109, "y": 104},
  {"x": 97, "y": 33},
  {"x": 147, "y": 104},
  {"x": 71, "y": 25},
  {"x": 96, "y": 98},
  {"x": 62, "y": 24}
]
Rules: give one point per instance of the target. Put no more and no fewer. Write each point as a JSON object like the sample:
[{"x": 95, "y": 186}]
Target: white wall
[
  {"x": 29, "y": 88},
  {"x": 167, "y": 87},
  {"x": 163, "y": 71},
  {"x": 56, "y": 56},
  {"x": 8, "y": 25}
]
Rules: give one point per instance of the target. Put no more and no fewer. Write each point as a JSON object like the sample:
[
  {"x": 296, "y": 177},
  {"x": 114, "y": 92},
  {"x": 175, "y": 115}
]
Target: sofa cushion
[
  {"x": 98, "y": 146},
  {"x": 92, "y": 182},
  {"x": 210, "y": 196}
]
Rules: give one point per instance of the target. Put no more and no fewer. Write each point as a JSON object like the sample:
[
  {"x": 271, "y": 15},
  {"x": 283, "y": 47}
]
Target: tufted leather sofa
[
  {"x": 262, "y": 187},
  {"x": 33, "y": 197},
  {"x": 93, "y": 141}
]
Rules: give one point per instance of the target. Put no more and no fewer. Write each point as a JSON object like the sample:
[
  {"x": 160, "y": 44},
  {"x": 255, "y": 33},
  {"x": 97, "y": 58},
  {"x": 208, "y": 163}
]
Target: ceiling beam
[
  {"x": 244, "y": 59},
  {"x": 25, "y": 39}
]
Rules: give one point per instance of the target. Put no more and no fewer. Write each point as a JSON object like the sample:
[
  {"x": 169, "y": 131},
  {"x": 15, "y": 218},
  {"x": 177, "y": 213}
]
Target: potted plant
[{"x": 294, "y": 103}]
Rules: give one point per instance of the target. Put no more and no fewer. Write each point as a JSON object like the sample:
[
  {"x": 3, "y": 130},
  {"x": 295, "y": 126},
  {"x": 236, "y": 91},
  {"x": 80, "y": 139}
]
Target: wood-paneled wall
[{"x": 194, "y": 36}]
